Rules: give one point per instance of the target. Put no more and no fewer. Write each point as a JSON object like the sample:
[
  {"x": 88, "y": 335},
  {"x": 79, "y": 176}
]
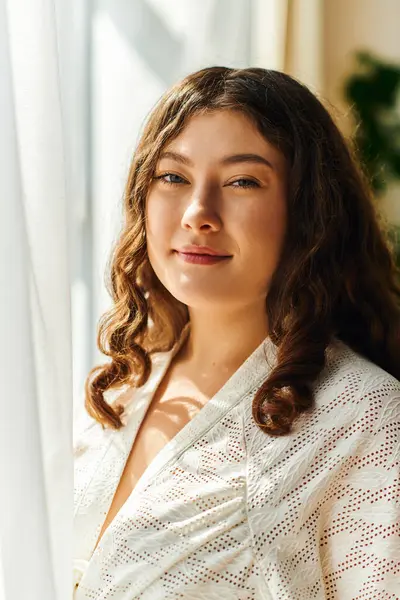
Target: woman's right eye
[{"x": 174, "y": 179}]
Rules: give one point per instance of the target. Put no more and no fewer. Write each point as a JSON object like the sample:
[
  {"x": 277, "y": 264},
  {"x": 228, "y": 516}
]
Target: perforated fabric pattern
[
  {"x": 326, "y": 516},
  {"x": 227, "y": 512},
  {"x": 188, "y": 534}
]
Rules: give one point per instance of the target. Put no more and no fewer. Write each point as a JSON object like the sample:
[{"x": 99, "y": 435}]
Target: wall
[{"x": 351, "y": 25}]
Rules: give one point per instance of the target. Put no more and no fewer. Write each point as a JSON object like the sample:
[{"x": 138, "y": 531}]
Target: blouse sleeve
[
  {"x": 324, "y": 503},
  {"x": 359, "y": 541}
]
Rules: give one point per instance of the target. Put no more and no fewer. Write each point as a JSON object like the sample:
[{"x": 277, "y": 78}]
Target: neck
[{"x": 222, "y": 341}]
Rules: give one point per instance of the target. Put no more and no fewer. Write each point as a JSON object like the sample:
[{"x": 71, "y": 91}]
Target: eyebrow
[{"x": 227, "y": 160}]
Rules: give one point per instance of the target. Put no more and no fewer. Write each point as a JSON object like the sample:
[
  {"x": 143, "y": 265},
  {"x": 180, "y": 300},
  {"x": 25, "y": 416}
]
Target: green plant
[{"x": 373, "y": 93}]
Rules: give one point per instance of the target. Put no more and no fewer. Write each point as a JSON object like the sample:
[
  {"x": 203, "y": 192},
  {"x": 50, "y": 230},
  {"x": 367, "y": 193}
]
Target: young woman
[{"x": 243, "y": 439}]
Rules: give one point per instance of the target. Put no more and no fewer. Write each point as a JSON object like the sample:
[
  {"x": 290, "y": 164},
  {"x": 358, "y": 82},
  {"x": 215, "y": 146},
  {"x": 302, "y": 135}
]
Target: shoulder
[
  {"x": 353, "y": 386},
  {"x": 344, "y": 366},
  {"x": 354, "y": 400},
  {"x": 329, "y": 488}
]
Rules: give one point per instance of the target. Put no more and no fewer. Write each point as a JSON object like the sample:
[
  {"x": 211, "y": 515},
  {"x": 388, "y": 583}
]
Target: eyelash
[{"x": 250, "y": 183}]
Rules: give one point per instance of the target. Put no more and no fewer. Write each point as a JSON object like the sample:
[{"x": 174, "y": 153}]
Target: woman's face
[{"x": 218, "y": 184}]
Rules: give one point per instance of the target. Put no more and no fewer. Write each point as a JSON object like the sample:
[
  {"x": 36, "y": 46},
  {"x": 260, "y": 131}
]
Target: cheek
[
  {"x": 161, "y": 226},
  {"x": 158, "y": 221},
  {"x": 263, "y": 231}
]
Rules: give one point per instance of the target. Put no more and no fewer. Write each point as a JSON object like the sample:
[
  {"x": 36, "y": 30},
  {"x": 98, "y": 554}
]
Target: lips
[
  {"x": 204, "y": 254},
  {"x": 201, "y": 259},
  {"x": 201, "y": 250}
]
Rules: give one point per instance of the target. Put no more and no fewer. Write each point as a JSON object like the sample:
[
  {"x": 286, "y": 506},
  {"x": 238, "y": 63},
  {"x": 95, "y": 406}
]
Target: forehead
[{"x": 219, "y": 133}]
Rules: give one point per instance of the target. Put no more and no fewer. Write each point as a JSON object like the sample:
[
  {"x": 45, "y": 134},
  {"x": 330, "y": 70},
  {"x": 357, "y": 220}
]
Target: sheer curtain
[{"x": 35, "y": 354}]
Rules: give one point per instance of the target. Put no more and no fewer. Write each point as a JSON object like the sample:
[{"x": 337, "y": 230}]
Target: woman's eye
[
  {"x": 174, "y": 179},
  {"x": 245, "y": 183}
]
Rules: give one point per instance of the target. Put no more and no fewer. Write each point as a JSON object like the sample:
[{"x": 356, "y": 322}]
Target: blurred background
[{"x": 77, "y": 81}]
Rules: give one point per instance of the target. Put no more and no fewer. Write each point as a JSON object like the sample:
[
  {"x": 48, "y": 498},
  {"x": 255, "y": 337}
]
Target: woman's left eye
[{"x": 245, "y": 183}]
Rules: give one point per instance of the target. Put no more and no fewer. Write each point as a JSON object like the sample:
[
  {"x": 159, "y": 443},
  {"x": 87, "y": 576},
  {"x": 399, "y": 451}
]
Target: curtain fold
[
  {"x": 304, "y": 51},
  {"x": 287, "y": 35},
  {"x": 269, "y": 33},
  {"x": 35, "y": 355}
]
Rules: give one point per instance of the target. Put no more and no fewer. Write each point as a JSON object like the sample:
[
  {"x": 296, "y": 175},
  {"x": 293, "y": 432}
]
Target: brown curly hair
[{"x": 336, "y": 276}]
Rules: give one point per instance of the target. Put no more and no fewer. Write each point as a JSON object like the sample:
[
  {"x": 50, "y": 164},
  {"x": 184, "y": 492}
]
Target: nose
[{"x": 202, "y": 210}]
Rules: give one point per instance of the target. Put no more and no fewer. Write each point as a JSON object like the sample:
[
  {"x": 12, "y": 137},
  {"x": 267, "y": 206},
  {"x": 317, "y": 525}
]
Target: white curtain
[{"x": 35, "y": 353}]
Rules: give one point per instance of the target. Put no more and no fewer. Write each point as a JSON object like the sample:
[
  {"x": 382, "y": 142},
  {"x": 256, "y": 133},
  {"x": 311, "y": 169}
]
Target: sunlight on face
[{"x": 208, "y": 190}]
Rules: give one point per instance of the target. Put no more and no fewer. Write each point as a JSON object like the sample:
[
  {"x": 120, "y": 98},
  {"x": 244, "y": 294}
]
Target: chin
[
  {"x": 196, "y": 292},
  {"x": 199, "y": 299}
]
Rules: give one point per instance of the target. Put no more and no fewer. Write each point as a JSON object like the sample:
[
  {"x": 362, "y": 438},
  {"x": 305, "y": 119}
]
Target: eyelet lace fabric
[{"x": 228, "y": 512}]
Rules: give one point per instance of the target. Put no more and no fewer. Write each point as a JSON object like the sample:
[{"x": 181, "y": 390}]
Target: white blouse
[{"x": 227, "y": 512}]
